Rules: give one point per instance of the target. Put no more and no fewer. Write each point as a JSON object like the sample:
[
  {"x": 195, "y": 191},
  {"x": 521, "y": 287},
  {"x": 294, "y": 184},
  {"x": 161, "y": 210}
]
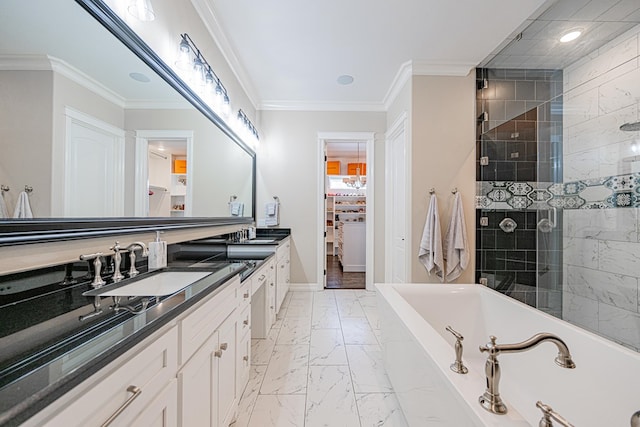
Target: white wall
[
  {"x": 601, "y": 246},
  {"x": 288, "y": 167},
  {"x": 442, "y": 157}
]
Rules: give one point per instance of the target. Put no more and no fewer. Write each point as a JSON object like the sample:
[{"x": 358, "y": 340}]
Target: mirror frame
[{"x": 42, "y": 230}]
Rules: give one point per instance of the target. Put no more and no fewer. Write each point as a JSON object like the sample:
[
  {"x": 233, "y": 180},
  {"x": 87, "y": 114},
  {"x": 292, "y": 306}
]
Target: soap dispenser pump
[{"x": 157, "y": 253}]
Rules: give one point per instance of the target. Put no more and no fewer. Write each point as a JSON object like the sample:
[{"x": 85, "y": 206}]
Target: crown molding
[
  {"x": 284, "y": 105},
  {"x": 419, "y": 68},
  {"x": 207, "y": 13},
  {"x": 50, "y": 63}
]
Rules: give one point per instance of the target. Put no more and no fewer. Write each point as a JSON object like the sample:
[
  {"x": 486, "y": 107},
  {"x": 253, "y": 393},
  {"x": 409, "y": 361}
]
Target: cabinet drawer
[
  {"x": 244, "y": 321},
  {"x": 200, "y": 324},
  {"x": 149, "y": 367},
  {"x": 244, "y": 294}
]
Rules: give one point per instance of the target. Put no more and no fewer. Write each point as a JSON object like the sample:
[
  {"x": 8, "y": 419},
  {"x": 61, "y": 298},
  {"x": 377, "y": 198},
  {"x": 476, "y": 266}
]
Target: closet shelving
[
  {"x": 347, "y": 209},
  {"x": 178, "y": 193}
]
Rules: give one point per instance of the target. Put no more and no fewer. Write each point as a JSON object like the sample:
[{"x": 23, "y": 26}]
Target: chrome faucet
[
  {"x": 132, "y": 256},
  {"x": 491, "y": 400}
]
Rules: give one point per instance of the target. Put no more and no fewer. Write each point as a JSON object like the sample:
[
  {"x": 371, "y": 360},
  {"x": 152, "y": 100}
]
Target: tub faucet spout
[{"x": 491, "y": 400}]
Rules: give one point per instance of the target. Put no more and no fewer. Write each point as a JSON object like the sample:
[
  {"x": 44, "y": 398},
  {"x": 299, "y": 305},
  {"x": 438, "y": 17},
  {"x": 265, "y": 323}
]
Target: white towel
[
  {"x": 271, "y": 210},
  {"x": 456, "y": 248},
  {"x": 430, "y": 253},
  {"x": 4, "y": 212},
  {"x": 237, "y": 208},
  {"x": 23, "y": 208}
]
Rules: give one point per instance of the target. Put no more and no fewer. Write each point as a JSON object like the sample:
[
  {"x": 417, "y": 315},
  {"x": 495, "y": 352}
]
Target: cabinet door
[
  {"x": 196, "y": 383},
  {"x": 162, "y": 411},
  {"x": 226, "y": 372}
]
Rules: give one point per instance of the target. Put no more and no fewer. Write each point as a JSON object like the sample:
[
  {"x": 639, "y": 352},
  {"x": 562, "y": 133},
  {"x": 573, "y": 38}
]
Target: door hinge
[
  {"x": 325, "y": 196},
  {"x": 325, "y": 234},
  {"x": 325, "y": 272},
  {"x": 325, "y": 158}
]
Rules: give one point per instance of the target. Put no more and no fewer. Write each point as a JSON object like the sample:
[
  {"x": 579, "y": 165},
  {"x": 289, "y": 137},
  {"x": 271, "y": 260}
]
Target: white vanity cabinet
[
  {"x": 243, "y": 350},
  {"x": 207, "y": 381},
  {"x": 192, "y": 372},
  {"x": 283, "y": 271},
  {"x": 263, "y": 299},
  {"x": 140, "y": 385}
]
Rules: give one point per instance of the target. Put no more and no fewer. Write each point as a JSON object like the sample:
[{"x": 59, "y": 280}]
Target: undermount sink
[
  {"x": 159, "y": 284},
  {"x": 259, "y": 241}
]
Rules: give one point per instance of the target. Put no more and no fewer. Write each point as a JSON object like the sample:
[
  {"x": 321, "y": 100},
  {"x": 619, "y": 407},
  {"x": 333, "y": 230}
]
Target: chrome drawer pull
[
  {"x": 223, "y": 346},
  {"x": 131, "y": 389}
]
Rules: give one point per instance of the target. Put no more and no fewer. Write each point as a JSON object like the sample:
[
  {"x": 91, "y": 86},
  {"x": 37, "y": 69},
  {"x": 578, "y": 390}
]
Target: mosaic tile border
[{"x": 618, "y": 191}]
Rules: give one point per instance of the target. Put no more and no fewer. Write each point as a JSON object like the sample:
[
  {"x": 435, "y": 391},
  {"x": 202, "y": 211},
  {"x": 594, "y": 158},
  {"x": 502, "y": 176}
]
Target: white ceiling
[{"x": 289, "y": 53}]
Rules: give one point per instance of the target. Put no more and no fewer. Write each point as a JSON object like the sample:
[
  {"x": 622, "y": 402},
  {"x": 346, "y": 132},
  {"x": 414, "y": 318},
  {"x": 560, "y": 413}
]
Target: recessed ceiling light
[
  {"x": 139, "y": 77},
  {"x": 570, "y": 36},
  {"x": 345, "y": 79}
]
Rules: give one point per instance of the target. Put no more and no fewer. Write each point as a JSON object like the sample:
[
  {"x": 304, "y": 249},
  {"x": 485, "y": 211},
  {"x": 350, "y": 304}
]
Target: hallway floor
[
  {"x": 321, "y": 366},
  {"x": 337, "y": 279}
]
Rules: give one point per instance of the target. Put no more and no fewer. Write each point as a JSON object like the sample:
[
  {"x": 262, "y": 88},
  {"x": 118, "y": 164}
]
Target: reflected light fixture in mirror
[{"x": 141, "y": 10}]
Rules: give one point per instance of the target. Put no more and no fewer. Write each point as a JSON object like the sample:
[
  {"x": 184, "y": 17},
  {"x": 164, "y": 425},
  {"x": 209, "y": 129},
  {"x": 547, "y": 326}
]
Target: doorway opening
[
  {"x": 347, "y": 212},
  {"x": 164, "y": 173}
]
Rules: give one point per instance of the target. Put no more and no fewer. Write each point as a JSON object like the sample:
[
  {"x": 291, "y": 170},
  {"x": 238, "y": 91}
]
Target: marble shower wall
[{"x": 601, "y": 265}]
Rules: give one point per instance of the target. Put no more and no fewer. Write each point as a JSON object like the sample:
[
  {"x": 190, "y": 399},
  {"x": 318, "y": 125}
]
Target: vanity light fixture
[
  {"x": 246, "y": 129},
  {"x": 199, "y": 74},
  {"x": 570, "y": 35},
  {"x": 141, "y": 10}
]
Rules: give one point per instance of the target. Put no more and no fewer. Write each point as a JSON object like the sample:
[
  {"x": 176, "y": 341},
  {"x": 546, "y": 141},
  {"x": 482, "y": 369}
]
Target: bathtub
[{"x": 601, "y": 391}]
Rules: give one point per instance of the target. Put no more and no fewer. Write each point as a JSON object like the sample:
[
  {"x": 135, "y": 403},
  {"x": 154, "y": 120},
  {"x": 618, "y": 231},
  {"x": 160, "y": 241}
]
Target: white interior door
[
  {"x": 94, "y": 168},
  {"x": 397, "y": 176}
]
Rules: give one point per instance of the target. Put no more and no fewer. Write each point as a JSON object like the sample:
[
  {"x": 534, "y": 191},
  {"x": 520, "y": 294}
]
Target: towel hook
[
  {"x": 28, "y": 189},
  {"x": 455, "y": 190},
  {"x": 432, "y": 190},
  {"x": 4, "y": 188},
  {"x": 232, "y": 198},
  {"x": 277, "y": 199}
]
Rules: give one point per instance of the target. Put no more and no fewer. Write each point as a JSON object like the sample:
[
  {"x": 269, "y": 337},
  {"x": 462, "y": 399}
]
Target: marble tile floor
[{"x": 321, "y": 366}]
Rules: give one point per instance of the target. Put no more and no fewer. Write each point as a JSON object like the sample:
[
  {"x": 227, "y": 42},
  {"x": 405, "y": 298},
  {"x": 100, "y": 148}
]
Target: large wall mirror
[{"x": 96, "y": 133}]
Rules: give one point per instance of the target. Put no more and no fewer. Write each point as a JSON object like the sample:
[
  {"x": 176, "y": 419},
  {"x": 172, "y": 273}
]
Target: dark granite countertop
[{"x": 28, "y": 385}]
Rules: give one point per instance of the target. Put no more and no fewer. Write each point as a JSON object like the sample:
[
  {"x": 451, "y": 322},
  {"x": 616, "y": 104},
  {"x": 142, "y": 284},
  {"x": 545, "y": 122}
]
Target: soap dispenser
[{"x": 157, "y": 253}]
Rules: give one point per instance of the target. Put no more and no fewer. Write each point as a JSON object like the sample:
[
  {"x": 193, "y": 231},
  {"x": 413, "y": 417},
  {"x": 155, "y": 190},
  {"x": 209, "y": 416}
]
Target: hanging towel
[
  {"x": 271, "y": 211},
  {"x": 4, "y": 212},
  {"x": 456, "y": 250},
  {"x": 430, "y": 253},
  {"x": 23, "y": 208},
  {"x": 237, "y": 208}
]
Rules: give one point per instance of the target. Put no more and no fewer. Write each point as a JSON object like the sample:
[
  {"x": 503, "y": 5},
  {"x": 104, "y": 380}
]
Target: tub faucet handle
[
  {"x": 457, "y": 366},
  {"x": 548, "y": 414}
]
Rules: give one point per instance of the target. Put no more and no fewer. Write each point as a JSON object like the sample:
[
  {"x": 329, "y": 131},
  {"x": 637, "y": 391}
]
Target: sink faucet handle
[
  {"x": 117, "y": 260},
  {"x": 457, "y": 366},
  {"x": 97, "y": 266},
  {"x": 548, "y": 413}
]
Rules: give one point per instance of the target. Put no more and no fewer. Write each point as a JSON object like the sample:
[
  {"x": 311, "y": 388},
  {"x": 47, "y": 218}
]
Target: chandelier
[{"x": 356, "y": 181}]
